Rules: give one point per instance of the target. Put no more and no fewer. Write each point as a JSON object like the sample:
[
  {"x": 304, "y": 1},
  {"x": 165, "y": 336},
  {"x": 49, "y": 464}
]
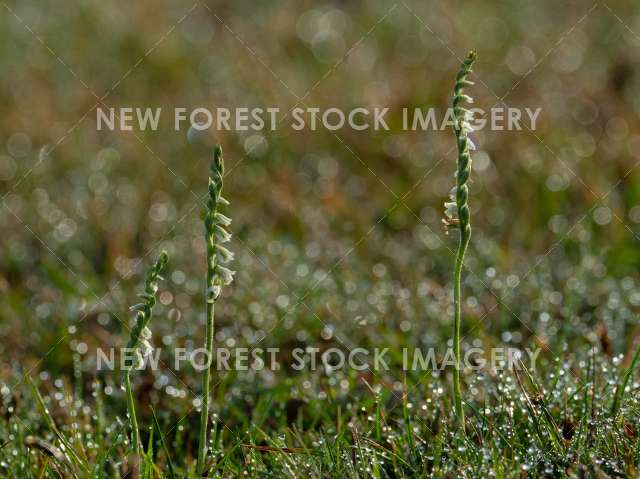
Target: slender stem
[
  {"x": 457, "y": 393},
  {"x": 135, "y": 433},
  {"x": 206, "y": 378}
]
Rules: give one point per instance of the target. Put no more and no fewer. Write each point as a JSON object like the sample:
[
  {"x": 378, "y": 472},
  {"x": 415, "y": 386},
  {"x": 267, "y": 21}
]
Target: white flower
[
  {"x": 466, "y": 126},
  {"x": 451, "y": 210},
  {"x": 137, "y": 307},
  {"x": 139, "y": 362},
  {"x": 213, "y": 292},
  {"x": 470, "y": 144},
  {"x": 224, "y": 255},
  {"x": 225, "y": 274},
  {"x": 145, "y": 347},
  {"x": 145, "y": 333},
  {"x": 222, "y": 235},
  {"x": 222, "y": 219}
]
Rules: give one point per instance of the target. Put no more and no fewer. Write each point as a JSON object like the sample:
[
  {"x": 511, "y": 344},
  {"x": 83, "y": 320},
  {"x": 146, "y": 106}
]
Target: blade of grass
[
  {"x": 172, "y": 473},
  {"x": 70, "y": 453},
  {"x": 537, "y": 423},
  {"x": 550, "y": 423},
  {"x": 626, "y": 377}
]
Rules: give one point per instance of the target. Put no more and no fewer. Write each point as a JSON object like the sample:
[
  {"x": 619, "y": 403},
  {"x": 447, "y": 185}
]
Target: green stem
[
  {"x": 206, "y": 379},
  {"x": 457, "y": 393},
  {"x": 135, "y": 433}
]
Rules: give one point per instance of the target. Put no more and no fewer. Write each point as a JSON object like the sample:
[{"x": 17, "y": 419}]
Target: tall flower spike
[
  {"x": 458, "y": 212},
  {"x": 139, "y": 339},
  {"x": 461, "y": 130},
  {"x": 216, "y": 233},
  {"x": 217, "y": 276},
  {"x": 140, "y": 333}
]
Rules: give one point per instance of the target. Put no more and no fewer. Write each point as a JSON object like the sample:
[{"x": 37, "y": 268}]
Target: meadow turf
[{"x": 556, "y": 420}]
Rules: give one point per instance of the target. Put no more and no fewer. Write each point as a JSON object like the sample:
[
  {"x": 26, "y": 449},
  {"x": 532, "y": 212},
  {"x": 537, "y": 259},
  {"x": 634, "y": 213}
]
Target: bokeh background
[{"x": 338, "y": 237}]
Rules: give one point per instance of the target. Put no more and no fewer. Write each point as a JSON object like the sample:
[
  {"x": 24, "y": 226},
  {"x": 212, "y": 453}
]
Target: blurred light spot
[
  {"x": 634, "y": 214},
  {"x": 584, "y": 145},
  {"x": 256, "y": 145},
  {"x": 196, "y": 134},
  {"x": 585, "y": 112},
  {"x": 395, "y": 146},
  {"x": 405, "y": 326},
  {"x": 328, "y": 167},
  {"x": 379, "y": 270},
  {"x": 282, "y": 301},
  {"x": 617, "y": 128},
  {"x": 602, "y": 215},
  {"x": 326, "y": 333},
  {"x": 558, "y": 224},
  {"x": 19, "y": 145},
  {"x": 328, "y": 46},
  {"x": 65, "y": 230},
  {"x": 568, "y": 56},
  {"x": 520, "y": 59},
  {"x": 307, "y": 24},
  {"x": 98, "y": 183},
  {"x": 166, "y": 298},
  {"x": 556, "y": 183},
  {"x": 7, "y": 168},
  {"x": 362, "y": 58},
  {"x": 481, "y": 161},
  {"x": 108, "y": 155},
  {"x": 513, "y": 280}
]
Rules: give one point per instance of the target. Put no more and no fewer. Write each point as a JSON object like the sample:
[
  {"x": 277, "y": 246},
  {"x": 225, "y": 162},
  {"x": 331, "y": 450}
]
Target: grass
[
  {"x": 508, "y": 434},
  {"x": 621, "y": 388}
]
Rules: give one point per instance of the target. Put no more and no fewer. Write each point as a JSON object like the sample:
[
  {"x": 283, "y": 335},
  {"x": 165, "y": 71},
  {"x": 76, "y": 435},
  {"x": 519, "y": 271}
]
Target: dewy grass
[
  {"x": 457, "y": 212},
  {"x": 622, "y": 386},
  {"x": 217, "y": 277},
  {"x": 139, "y": 339}
]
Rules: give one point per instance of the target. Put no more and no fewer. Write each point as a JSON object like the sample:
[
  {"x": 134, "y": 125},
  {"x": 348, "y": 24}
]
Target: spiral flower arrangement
[
  {"x": 457, "y": 210},
  {"x": 140, "y": 337},
  {"x": 217, "y": 276}
]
